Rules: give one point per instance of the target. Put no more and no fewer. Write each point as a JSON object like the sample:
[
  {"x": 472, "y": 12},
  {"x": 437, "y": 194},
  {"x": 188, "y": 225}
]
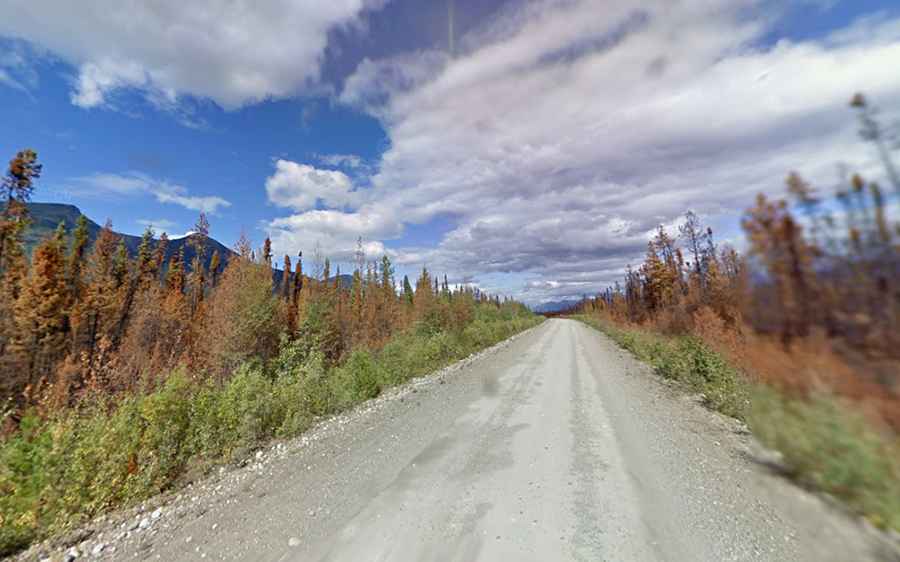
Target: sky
[{"x": 529, "y": 147}]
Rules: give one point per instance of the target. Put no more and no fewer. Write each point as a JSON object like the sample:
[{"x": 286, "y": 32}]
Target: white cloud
[
  {"x": 134, "y": 183},
  {"x": 95, "y": 79},
  {"x": 335, "y": 232},
  {"x": 17, "y": 66},
  {"x": 346, "y": 161},
  {"x": 234, "y": 53},
  {"x": 558, "y": 138},
  {"x": 375, "y": 83},
  {"x": 301, "y": 186},
  {"x": 163, "y": 225}
]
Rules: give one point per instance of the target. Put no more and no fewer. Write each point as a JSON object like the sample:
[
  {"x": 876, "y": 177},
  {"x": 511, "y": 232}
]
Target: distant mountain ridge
[
  {"x": 555, "y": 306},
  {"x": 46, "y": 217}
]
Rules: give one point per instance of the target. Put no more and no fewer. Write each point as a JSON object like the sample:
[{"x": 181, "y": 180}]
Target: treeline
[
  {"x": 814, "y": 303},
  {"x": 84, "y": 320}
]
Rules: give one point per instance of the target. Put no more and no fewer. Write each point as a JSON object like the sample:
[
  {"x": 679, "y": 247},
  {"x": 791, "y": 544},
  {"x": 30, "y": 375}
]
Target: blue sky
[{"x": 533, "y": 160}]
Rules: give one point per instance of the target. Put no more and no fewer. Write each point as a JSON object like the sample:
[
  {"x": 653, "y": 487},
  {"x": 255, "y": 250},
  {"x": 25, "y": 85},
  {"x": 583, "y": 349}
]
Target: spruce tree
[
  {"x": 41, "y": 311},
  {"x": 197, "y": 278},
  {"x": 162, "y": 245},
  {"x": 175, "y": 281},
  {"x": 146, "y": 260},
  {"x": 286, "y": 279},
  {"x": 120, "y": 263},
  {"x": 298, "y": 279},
  {"x": 77, "y": 258},
  {"x": 92, "y": 317},
  {"x": 267, "y": 252},
  {"x": 16, "y": 189},
  {"x": 407, "y": 290},
  {"x": 215, "y": 264}
]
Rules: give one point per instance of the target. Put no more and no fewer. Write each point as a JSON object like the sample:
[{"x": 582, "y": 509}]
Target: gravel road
[{"x": 555, "y": 445}]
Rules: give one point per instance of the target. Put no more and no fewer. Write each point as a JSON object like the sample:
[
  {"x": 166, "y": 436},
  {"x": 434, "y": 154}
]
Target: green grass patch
[
  {"x": 826, "y": 444},
  {"x": 689, "y": 361},
  {"x": 55, "y": 474}
]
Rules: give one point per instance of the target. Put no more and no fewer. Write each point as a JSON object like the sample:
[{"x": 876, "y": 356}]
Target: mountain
[
  {"x": 345, "y": 281},
  {"x": 554, "y": 306},
  {"x": 45, "y": 217}
]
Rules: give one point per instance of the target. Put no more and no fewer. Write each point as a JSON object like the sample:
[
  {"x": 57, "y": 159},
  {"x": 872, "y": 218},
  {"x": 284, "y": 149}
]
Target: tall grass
[{"x": 57, "y": 473}]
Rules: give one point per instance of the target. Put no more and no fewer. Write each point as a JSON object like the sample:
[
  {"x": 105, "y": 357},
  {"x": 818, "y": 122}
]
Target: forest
[
  {"x": 800, "y": 337},
  {"x": 122, "y": 371}
]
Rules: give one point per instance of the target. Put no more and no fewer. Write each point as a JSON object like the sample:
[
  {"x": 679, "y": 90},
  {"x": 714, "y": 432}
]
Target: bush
[
  {"x": 358, "y": 379},
  {"x": 828, "y": 446}
]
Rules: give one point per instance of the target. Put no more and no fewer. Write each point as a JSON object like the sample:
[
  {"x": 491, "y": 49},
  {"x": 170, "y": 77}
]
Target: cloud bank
[
  {"x": 234, "y": 53},
  {"x": 564, "y": 132}
]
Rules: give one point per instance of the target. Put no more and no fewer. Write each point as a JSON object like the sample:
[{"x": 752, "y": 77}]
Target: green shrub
[
  {"x": 828, "y": 446},
  {"x": 358, "y": 379}
]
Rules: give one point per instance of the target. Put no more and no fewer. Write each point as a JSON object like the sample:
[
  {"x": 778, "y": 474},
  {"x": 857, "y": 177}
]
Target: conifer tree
[
  {"x": 267, "y": 252},
  {"x": 298, "y": 279},
  {"x": 77, "y": 258},
  {"x": 356, "y": 307},
  {"x": 17, "y": 187},
  {"x": 120, "y": 264},
  {"x": 15, "y": 190},
  {"x": 93, "y": 316},
  {"x": 286, "y": 279},
  {"x": 215, "y": 264},
  {"x": 175, "y": 280},
  {"x": 146, "y": 260},
  {"x": 162, "y": 246},
  {"x": 388, "y": 298},
  {"x": 424, "y": 295},
  {"x": 41, "y": 313},
  {"x": 197, "y": 277},
  {"x": 243, "y": 247},
  {"x": 18, "y": 184},
  {"x": 407, "y": 290}
]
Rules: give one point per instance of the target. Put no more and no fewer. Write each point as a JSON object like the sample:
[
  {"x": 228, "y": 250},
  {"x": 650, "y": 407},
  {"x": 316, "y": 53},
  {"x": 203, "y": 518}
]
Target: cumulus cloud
[
  {"x": 135, "y": 183},
  {"x": 335, "y": 232},
  {"x": 376, "y": 83},
  {"x": 234, "y": 53},
  {"x": 163, "y": 225},
  {"x": 346, "y": 161},
  {"x": 301, "y": 186},
  {"x": 558, "y": 139}
]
